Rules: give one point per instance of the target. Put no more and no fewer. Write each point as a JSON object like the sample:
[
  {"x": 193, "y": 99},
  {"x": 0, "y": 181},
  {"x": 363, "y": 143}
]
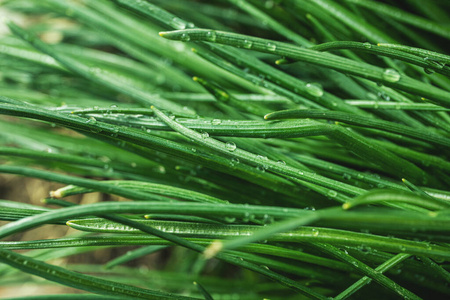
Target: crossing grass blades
[{"x": 269, "y": 149}]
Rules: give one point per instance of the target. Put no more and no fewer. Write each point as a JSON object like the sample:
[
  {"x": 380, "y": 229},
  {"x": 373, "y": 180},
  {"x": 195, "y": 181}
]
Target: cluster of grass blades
[{"x": 291, "y": 149}]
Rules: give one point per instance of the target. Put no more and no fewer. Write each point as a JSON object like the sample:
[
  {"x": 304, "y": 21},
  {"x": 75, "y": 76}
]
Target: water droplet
[
  {"x": 267, "y": 219},
  {"x": 230, "y": 219},
  {"x": 115, "y": 131},
  {"x": 205, "y": 135},
  {"x": 178, "y": 23},
  {"x": 332, "y": 193},
  {"x": 185, "y": 37},
  {"x": 247, "y": 44},
  {"x": 113, "y": 106},
  {"x": 211, "y": 36},
  {"x": 194, "y": 150},
  {"x": 281, "y": 162},
  {"x": 391, "y": 75},
  {"x": 91, "y": 120},
  {"x": 315, "y": 232},
  {"x": 271, "y": 47},
  {"x": 310, "y": 208},
  {"x": 434, "y": 63},
  {"x": 230, "y": 146},
  {"x": 216, "y": 122},
  {"x": 314, "y": 90},
  {"x": 95, "y": 107},
  {"x": 234, "y": 161},
  {"x": 260, "y": 169},
  {"x": 367, "y": 45},
  {"x": 347, "y": 176}
]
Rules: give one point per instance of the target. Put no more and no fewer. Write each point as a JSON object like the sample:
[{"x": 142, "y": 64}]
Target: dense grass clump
[{"x": 291, "y": 149}]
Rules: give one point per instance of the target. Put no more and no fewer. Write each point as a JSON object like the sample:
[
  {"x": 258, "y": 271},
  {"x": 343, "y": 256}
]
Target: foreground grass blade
[
  {"x": 388, "y": 77},
  {"x": 363, "y": 268},
  {"x": 119, "y": 208},
  {"x": 381, "y": 196},
  {"x": 254, "y": 159},
  {"x": 404, "y": 17},
  {"x": 104, "y": 77},
  {"x": 131, "y": 255},
  {"x": 80, "y": 281},
  {"x": 361, "y": 121},
  {"x": 366, "y": 280},
  {"x": 302, "y": 234},
  {"x": 262, "y": 234}
]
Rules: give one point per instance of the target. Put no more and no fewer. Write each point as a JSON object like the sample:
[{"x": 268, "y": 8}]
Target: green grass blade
[
  {"x": 405, "y": 17},
  {"x": 388, "y": 77},
  {"x": 80, "y": 281},
  {"x": 366, "y": 270},
  {"x": 361, "y": 121},
  {"x": 397, "y": 259},
  {"x": 381, "y": 196}
]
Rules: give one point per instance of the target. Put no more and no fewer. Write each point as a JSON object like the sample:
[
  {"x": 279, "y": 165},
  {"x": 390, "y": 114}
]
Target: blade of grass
[
  {"x": 388, "y": 77},
  {"x": 368, "y": 271},
  {"x": 80, "y": 281},
  {"x": 395, "y": 260}
]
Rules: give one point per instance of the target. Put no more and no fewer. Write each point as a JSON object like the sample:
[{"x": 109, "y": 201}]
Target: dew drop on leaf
[
  {"x": 247, "y": 44},
  {"x": 211, "y": 36},
  {"x": 230, "y": 219},
  {"x": 178, "y": 23},
  {"x": 391, "y": 75},
  {"x": 332, "y": 193},
  {"x": 216, "y": 122},
  {"x": 185, "y": 37},
  {"x": 91, "y": 120},
  {"x": 367, "y": 45},
  {"x": 230, "y": 146},
  {"x": 271, "y": 47},
  {"x": 314, "y": 90},
  {"x": 261, "y": 169},
  {"x": 234, "y": 161}
]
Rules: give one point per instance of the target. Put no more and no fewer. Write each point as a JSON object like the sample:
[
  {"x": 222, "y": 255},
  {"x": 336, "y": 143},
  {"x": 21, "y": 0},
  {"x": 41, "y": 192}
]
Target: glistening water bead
[
  {"x": 211, "y": 36},
  {"x": 230, "y": 146},
  {"x": 185, "y": 37},
  {"x": 271, "y": 47},
  {"x": 314, "y": 90},
  {"x": 216, "y": 122},
  {"x": 391, "y": 75},
  {"x": 247, "y": 44}
]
